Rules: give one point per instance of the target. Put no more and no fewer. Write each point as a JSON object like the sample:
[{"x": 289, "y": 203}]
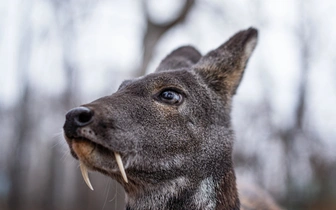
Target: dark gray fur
[{"x": 176, "y": 156}]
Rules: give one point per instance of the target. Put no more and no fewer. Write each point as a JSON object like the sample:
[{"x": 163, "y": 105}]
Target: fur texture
[{"x": 172, "y": 129}]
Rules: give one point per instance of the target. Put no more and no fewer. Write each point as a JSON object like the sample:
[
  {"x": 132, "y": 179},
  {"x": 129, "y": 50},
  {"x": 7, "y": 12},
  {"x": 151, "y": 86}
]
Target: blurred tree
[
  {"x": 298, "y": 133},
  {"x": 66, "y": 17},
  {"x": 154, "y": 32},
  {"x": 24, "y": 121}
]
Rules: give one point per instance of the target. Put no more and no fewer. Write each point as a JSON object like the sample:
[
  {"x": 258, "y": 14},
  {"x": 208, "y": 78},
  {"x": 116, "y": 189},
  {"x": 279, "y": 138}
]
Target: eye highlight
[{"x": 170, "y": 97}]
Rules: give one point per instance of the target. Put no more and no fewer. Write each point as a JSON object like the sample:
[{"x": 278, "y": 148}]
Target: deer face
[
  {"x": 169, "y": 124},
  {"x": 158, "y": 124}
]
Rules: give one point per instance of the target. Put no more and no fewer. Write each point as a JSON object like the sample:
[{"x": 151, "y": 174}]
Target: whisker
[
  {"x": 107, "y": 191},
  {"x": 115, "y": 194}
]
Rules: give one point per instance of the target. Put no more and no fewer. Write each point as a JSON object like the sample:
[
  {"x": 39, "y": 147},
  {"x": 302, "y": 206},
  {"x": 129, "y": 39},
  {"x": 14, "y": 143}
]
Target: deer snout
[{"x": 76, "y": 118}]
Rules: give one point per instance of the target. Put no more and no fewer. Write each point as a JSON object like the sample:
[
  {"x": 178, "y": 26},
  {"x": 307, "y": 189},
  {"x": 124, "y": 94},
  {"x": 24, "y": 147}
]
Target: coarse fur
[{"x": 172, "y": 129}]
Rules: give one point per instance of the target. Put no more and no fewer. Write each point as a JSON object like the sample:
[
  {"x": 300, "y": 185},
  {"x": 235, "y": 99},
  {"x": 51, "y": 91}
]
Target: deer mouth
[{"x": 85, "y": 151}]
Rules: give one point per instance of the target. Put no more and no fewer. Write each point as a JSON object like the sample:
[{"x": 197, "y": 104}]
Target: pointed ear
[
  {"x": 182, "y": 57},
  {"x": 223, "y": 68}
]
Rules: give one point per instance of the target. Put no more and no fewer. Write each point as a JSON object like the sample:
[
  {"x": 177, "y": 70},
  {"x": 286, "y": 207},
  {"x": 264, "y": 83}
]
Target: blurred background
[{"x": 58, "y": 54}]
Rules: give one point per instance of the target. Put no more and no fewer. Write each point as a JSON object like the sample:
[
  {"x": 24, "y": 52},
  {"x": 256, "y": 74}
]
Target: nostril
[
  {"x": 84, "y": 118},
  {"x": 79, "y": 116}
]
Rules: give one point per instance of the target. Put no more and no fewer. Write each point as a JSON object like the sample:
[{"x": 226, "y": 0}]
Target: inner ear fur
[
  {"x": 223, "y": 68},
  {"x": 183, "y": 57}
]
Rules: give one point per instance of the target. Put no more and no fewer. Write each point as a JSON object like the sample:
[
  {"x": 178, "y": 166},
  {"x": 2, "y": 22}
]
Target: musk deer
[{"x": 167, "y": 137}]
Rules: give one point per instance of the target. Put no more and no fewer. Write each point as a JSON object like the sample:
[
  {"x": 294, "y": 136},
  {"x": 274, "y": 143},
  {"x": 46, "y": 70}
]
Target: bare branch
[
  {"x": 178, "y": 19},
  {"x": 155, "y": 31}
]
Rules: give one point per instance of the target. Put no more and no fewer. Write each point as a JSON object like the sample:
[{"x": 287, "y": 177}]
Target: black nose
[{"x": 75, "y": 118}]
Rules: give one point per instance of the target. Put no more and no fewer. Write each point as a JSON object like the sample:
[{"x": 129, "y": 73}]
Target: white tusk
[
  {"x": 121, "y": 166},
  {"x": 85, "y": 175}
]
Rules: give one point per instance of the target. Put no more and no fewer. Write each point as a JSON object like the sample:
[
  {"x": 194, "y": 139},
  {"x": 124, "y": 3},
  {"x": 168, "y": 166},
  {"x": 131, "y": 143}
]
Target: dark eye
[{"x": 170, "y": 97}]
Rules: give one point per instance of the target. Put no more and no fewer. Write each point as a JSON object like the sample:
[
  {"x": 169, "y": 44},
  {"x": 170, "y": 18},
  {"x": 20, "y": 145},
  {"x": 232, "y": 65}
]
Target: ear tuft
[
  {"x": 182, "y": 57},
  {"x": 251, "y": 42}
]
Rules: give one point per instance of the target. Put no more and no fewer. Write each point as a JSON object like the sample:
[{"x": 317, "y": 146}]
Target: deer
[{"x": 167, "y": 137}]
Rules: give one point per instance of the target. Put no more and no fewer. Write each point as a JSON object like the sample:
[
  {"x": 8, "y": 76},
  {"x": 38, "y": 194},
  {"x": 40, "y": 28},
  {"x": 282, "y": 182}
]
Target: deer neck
[{"x": 210, "y": 193}]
